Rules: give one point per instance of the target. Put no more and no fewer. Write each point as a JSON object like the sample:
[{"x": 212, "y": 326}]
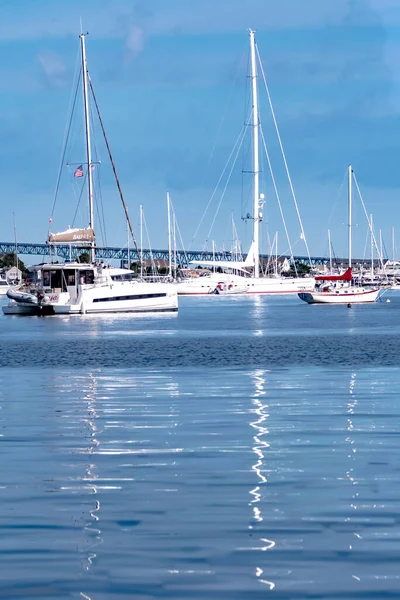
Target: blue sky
[{"x": 170, "y": 78}]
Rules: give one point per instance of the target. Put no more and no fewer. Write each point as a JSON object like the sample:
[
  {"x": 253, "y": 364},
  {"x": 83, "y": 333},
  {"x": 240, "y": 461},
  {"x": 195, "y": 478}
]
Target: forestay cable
[
  {"x": 226, "y": 184},
  {"x": 277, "y": 197},
  {"x": 238, "y": 140},
  {"x": 66, "y": 135},
  {"x": 369, "y": 223},
  {"x": 303, "y": 236}
]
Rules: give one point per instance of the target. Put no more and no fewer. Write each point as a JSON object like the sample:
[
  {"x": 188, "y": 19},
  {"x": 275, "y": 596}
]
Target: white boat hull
[
  {"x": 279, "y": 285},
  {"x": 353, "y": 296},
  {"x": 227, "y": 289},
  {"x": 195, "y": 287},
  {"x": 103, "y": 297},
  {"x": 215, "y": 283},
  {"x": 15, "y": 308},
  {"x": 246, "y": 285}
]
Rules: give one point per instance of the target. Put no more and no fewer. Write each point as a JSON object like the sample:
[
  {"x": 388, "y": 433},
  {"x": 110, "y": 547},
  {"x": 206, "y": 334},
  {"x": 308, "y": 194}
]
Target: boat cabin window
[
  {"x": 70, "y": 277},
  {"x": 58, "y": 279},
  {"x": 123, "y": 277},
  {"x": 53, "y": 280},
  {"x": 46, "y": 279},
  {"x": 86, "y": 277}
]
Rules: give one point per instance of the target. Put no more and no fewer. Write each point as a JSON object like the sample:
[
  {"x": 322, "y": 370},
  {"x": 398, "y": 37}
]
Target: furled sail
[
  {"x": 346, "y": 276},
  {"x": 72, "y": 236}
]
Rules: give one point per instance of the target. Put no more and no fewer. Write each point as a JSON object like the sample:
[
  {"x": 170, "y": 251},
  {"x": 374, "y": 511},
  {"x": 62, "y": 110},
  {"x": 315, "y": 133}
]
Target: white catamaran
[{"x": 78, "y": 288}]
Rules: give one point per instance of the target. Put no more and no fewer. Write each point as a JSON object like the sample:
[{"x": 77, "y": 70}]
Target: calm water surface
[{"x": 245, "y": 448}]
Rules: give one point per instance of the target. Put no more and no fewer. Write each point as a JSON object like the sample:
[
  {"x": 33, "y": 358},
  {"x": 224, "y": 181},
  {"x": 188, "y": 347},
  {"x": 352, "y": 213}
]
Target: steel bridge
[{"x": 66, "y": 252}]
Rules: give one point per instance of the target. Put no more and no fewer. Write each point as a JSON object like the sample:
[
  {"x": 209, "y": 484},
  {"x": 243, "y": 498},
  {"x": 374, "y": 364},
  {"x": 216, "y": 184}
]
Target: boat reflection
[
  {"x": 351, "y": 406},
  {"x": 260, "y": 447},
  {"x": 83, "y": 389},
  {"x": 91, "y": 476},
  {"x": 258, "y": 310}
]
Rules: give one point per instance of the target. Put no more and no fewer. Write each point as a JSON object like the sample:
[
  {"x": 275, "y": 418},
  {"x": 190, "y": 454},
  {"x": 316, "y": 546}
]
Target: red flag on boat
[{"x": 79, "y": 172}]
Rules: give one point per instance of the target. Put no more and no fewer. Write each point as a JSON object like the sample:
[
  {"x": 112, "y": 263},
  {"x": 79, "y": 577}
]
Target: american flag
[{"x": 79, "y": 172}]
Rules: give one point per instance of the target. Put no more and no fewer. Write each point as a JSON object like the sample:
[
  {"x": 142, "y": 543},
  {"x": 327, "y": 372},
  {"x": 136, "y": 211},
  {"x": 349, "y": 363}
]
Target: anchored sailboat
[
  {"x": 340, "y": 289},
  {"x": 77, "y": 288},
  {"x": 255, "y": 284}
]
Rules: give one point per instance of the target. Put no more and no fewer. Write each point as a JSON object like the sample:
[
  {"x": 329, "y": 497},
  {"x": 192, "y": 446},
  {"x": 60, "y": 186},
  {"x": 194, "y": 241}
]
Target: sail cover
[
  {"x": 346, "y": 276},
  {"x": 72, "y": 236}
]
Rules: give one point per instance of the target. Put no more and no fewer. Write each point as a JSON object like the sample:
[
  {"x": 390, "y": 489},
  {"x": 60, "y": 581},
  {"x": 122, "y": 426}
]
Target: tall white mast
[
  {"x": 234, "y": 245},
  {"x": 330, "y": 251},
  {"x": 169, "y": 236},
  {"x": 256, "y": 168},
  {"x": 350, "y": 181},
  {"x": 15, "y": 240},
  {"x": 128, "y": 244},
  {"x": 381, "y": 245},
  {"x": 213, "y": 253},
  {"x": 141, "y": 240},
  {"x": 87, "y": 137},
  {"x": 393, "y": 243},
  {"x": 372, "y": 246},
  {"x": 174, "y": 241}
]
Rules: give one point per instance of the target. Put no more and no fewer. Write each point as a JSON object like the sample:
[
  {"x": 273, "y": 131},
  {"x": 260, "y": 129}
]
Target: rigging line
[
  {"x": 367, "y": 239},
  {"x": 99, "y": 211},
  {"x": 100, "y": 194},
  {"x": 283, "y": 254},
  {"x": 247, "y": 115},
  {"x": 153, "y": 264},
  {"x": 245, "y": 154},
  {"x": 226, "y": 110},
  {"x": 247, "y": 106},
  {"x": 277, "y": 196},
  {"x": 284, "y": 157},
  {"x": 334, "y": 256},
  {"x": 241, "y": 135},
  {"x": 114, "y": 169},
  {"x": 96, "y": 183},
  {"x": 337, "y": 197},
  {"x": 385, "y": 252},
  {"x": 219, "y": 131},
  {"x": 79, "y": 198},
  {"x": 98, "y": 189},
  {"x": 369, "y": 222},
  {"x": 236, "y": 243},
  {"x": 66, "y": 136},
  {"x": 226, "y": 185},
  {"x": 179, "y": 232}
]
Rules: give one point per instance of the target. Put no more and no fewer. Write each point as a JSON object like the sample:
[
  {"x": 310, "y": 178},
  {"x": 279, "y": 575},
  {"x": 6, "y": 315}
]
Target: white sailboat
[
  {"x": 200, "y": 283},
  {"x": 340, "y": 289},
  {"x": 76, "y": 288},
  {"x": 255, "y": 284}
]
